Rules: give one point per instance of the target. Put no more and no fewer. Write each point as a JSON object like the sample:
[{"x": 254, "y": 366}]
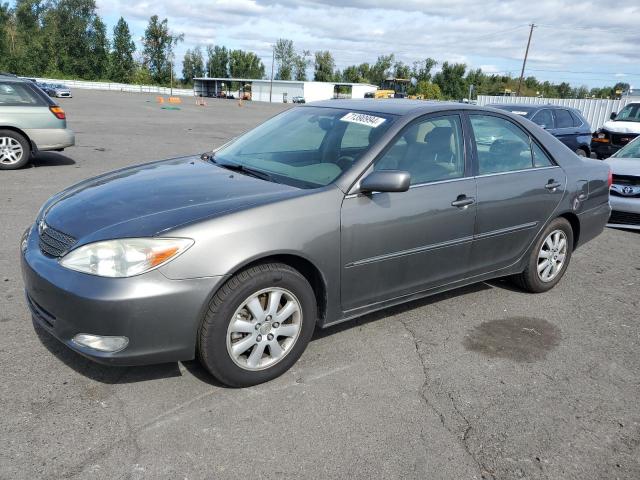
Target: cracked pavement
[{"x": 482, "y": 382}]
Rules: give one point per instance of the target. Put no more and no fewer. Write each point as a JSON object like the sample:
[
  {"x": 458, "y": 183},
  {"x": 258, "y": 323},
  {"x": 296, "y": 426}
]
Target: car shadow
[
  {"x": 123, "y": 375},
  {"x": 51, "y": 159},
  {"x": 405, "y": 307}
]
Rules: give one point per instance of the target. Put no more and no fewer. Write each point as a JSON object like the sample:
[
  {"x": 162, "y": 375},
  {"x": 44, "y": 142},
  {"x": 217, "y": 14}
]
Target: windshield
[
  {"x": 307, "y": 147},
  {"x": 631, "y": 150},
  {"x": 630, "y": 113}
]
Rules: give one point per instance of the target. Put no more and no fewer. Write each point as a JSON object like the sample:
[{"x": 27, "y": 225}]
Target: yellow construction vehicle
[{"x": 391, "y": 88}]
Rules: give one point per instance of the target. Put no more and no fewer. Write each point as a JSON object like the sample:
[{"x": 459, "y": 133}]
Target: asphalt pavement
[{"x": 482, "y": 382}]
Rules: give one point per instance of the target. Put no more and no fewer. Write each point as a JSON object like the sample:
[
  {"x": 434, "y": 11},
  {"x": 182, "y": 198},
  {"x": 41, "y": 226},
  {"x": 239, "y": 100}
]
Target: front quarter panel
[{"x": 307, "y": 226}]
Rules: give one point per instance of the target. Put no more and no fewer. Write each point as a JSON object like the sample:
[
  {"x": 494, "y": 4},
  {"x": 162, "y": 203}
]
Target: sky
[{"x": 591, "y": 43}]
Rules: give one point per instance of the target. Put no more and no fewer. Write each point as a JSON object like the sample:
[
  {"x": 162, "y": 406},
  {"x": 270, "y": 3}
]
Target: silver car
[
  {"x": 29, "y": 122},
  {"x": 625, "y": 189}
]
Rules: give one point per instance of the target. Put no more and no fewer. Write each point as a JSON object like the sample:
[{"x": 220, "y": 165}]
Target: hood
[
  {"x": 624, "y": 166},
  {"x": 621, "y": 126},
  {"x": 148, "y": 199}
]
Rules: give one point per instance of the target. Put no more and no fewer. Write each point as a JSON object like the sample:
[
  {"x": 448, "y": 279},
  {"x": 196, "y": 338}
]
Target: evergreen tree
[
  {"x": 217, "y": 62},
  {"x": 98, "y": 49},
  {"x": 158, "y": 51},
  {"x": 121, "y": 65}
]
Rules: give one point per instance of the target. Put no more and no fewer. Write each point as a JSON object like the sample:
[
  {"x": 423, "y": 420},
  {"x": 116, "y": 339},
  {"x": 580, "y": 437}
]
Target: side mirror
[
  {"x": 386, "y": 181},
  {"x": 613, "y": 115}
]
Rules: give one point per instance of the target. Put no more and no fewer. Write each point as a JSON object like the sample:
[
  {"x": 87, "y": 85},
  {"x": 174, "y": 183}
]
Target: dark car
[
  {"x": 324, "y": 213},
  {"x": 567, "y": 124},
  {"x": 620, "y": 130}
]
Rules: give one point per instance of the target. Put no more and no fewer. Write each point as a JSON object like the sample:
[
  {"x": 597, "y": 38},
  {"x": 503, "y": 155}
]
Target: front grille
[
  {"x": 626, "y": 180},
  {"x": 53, "y": 242},
  {"x": 625, "y": 218},
  {"x": 622, "y": 138}
]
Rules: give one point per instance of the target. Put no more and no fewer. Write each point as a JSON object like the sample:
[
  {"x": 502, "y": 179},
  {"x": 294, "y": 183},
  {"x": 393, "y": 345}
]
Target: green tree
[
  {"x": 158, "y": 49},
  {"x": 381, "y": 70},
  {"x": 428, "y": 90},
  {"x": 243, "y": 64},
  {"x": 401, "y": 70},
  {"x": 218, "y": 61},
  {"x": 121, "y": 64},
  {"x": 98, "y": 49},
  {"x": 285, "y": 57},
  {"x": 27, "y": 44},
  {"x": 451, "y": 80},
  {"x": 192, "y": 65},
  {"x": 5, "y": 22},
  {"x": 421, "y": 70},
  {"x": 300, "y": 63},
  {"x": 324, "y": 66},
  {"x": 564, "y": 90}
]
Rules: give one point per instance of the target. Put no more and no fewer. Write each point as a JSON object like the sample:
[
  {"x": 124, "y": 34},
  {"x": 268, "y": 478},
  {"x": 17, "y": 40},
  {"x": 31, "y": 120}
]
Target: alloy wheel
[
  {"x": 11, "y": 151},
  {"x": 552, "y": 255},
  {"x": 264, "y": 329}
]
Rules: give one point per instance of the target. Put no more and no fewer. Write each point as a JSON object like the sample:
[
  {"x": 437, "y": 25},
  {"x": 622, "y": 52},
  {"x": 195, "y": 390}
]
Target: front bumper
[
  {"x": 626, "y": 212},
  {"x": 160, "y": 317}
]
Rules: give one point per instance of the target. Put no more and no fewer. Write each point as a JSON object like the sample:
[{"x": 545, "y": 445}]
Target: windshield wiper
[{"x": 236, "y": 167}]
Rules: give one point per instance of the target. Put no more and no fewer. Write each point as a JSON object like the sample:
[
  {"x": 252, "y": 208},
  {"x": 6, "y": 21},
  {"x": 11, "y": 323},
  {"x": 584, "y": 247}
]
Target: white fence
[
  {"x": 596, "y": 111},
  {"x": 120, "y": 87}
]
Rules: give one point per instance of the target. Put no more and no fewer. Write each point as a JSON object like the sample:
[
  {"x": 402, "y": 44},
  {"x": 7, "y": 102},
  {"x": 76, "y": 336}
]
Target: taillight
[
  {"x": 58, "y": 112},
  {"x": 610, "y": 181}
]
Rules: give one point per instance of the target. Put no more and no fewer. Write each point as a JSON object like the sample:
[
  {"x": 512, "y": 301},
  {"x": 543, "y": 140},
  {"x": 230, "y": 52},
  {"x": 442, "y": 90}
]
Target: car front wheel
[
  {"x": 257, "y": 326},
  {"x": 549, "y": 258}
]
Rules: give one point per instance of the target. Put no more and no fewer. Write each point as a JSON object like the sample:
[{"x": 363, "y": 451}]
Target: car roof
[
  {"x": 394, "y": 106},
  {"x": 8, "y": 77},
  {"x": 531, "y": 106}
]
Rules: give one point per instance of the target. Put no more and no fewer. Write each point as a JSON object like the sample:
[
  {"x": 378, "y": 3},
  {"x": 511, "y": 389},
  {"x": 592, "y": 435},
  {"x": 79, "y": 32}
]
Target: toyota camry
[{"x": 325, "y": 212}]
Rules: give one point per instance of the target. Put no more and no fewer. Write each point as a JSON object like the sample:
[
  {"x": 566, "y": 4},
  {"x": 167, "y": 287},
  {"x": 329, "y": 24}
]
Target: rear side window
[
  {"x": 577, "y": 121},
  {"x": 502, "y": 146},
  {"x": 17, "y": 94},
  {"x": 563, "y": 119},
  {"x": 544, "y": 118}
]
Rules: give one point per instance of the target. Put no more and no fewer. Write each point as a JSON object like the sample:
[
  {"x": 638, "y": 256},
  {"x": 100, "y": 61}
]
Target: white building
[{"x": 279, "y": 90}]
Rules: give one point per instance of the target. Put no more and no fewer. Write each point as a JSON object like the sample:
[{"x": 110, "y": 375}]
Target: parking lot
[{"x": 482, "y": 382}]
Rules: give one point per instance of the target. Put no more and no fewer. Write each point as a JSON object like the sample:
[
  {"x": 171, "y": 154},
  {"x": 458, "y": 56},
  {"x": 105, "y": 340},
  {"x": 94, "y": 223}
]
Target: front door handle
[
  {"x": 552, "y": 185},
  {"x": 462, "y": 201}
]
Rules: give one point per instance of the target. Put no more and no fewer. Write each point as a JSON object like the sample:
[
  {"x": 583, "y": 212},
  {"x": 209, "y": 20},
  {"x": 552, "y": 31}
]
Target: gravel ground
[{"x": 482, "y": 382}]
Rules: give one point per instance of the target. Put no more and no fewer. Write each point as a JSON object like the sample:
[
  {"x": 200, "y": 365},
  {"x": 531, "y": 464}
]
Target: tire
[
  {"x": 235, "y": 323},
  {"x": 532, "y": 281},
  {"x": 581, "y": 152},
  {"x": 15, "y": 150}
]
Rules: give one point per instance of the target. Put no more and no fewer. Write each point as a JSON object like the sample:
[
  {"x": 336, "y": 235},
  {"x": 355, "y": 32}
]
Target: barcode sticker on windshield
[{"x": 363, "y": 119}]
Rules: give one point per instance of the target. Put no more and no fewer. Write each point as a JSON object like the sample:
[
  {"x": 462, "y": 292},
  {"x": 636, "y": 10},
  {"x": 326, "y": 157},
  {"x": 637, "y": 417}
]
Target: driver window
[{"x": 431, "y": 150}]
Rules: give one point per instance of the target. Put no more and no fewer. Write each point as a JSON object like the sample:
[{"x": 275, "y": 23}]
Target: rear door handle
[
  {"x": 552, "y": 185},
  {"x": 462, "y": 201}
]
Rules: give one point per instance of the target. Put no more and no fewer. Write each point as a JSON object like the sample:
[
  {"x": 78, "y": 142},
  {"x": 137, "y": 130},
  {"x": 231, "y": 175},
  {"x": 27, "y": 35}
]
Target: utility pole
[
  {"x": 171, "y": 81},
  {"x": 526, "y": 54},
  {"x": 273, "y": 59}
]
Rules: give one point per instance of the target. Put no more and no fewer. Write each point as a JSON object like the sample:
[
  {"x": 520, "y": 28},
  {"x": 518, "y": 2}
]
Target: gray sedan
[{"x": 326, "y": 212}]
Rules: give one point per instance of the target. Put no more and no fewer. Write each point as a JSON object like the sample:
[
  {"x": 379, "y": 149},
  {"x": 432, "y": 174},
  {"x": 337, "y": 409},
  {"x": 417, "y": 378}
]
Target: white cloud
[{"x": 492, "y": 33}]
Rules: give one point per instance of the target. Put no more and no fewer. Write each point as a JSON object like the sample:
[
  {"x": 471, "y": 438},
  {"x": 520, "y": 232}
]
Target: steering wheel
[{"x": 345, "y": 162}]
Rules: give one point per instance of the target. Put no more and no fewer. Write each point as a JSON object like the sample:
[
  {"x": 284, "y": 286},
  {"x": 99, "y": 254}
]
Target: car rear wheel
[
  {"x": 549, "y": 258},
  {"x": 257, "y": 325},
  {"x": 581, "y": 152},
  {"x": 14, "y": 150}
]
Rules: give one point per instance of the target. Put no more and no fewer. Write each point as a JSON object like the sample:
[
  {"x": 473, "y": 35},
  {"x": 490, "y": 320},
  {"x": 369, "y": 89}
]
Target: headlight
[{"x": 124, "y": 257}]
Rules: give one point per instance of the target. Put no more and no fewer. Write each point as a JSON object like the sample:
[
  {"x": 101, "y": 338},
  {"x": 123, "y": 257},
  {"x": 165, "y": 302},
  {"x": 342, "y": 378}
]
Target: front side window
[
  {"x": 307, "y": 147},
  {"x": 504, "y": 147},
  {"x": 16, "y": 94},
  {"x": 563, "y": 119},
  {"x": 430, "y": 150},
  {"x": 630, "y": 113}
]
